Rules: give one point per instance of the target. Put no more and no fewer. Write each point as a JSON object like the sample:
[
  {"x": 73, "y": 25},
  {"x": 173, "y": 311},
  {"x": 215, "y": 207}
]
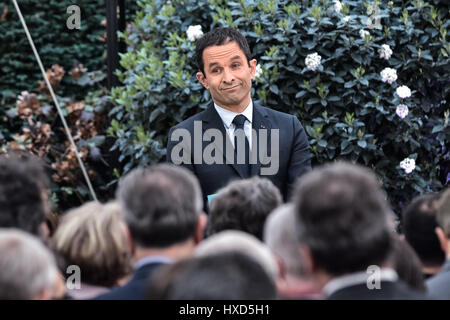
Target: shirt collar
[
  {"x": 227, "y": 116},
  {"x": 152, "y": 259},
  {"x": 348, "y": 280}
]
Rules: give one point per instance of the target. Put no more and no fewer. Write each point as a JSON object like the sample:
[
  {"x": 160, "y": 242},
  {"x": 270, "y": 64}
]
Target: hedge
[{"x": 348, "y": 101}]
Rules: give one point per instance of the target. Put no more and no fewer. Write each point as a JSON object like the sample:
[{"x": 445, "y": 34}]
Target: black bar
[
  {"x": 111, "y": 42},
  {"x": 122, "y": 24}
]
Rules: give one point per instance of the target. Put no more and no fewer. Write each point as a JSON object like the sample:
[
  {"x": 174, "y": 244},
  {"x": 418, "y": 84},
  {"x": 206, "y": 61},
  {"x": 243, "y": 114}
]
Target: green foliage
[
  {"x": 56, "y": 44},
  {"x": 34, "y": 125},
  {"x": 347, "y": 111}
]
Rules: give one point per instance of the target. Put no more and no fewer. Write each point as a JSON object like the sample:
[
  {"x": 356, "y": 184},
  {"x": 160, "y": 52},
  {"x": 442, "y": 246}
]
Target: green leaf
[
  {"x": 322, "y": 143},
  {"x": 438, "y": 128}
]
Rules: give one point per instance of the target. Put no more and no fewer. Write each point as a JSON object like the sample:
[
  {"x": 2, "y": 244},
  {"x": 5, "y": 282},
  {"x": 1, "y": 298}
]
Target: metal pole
[
  {"x": 50, "y": 89},
  {"x": 111, "y": 42}
]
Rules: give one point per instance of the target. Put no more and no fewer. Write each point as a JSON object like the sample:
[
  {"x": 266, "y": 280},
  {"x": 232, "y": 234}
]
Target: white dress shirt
[{"x": 227, "y": 117}]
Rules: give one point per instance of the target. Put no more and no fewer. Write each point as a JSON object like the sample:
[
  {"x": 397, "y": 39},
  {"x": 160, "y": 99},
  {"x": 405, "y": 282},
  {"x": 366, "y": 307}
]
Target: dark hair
[
  {"x": 419, "y": 224},
  {"x": 342, "y": 218},
  {"x": 217, "y": 37},
  {"x": 161, "y": 204},
  {"x": 224, "y": 276},
  {"x": 243, "y": 205},
  {"x": 407, "y": 264},
  {"x": 22, "y": 182}
]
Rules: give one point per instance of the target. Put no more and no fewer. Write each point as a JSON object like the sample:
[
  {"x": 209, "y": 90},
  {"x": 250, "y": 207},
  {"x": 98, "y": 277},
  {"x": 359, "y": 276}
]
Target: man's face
[{"x": 228, "y": 76}]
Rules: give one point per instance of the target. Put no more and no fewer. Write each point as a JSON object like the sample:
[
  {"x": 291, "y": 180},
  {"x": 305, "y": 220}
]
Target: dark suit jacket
[
  {"x": 439, "y": 285},
  {"x": 388, "y": 291},
  {"x": 136, "y": 288},
  {"x": 294, "y": 155}
]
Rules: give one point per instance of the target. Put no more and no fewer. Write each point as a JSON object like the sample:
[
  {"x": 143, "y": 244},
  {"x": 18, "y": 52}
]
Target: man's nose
[{"x": 228, "y": 76}]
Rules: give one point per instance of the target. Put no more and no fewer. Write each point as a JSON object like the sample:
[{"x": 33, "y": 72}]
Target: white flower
[
  {"x": 347, "y": 19},
  {"x": 402, "y": 110},
  {"x": 194, "y": 32},
  {"x": 258, "y": 71},
  {"x": 363, "y": 33},
  {"x": 385, "y": 52},
  {"x": 337, "y": 6},
  {"x": 408, "y": 165},
  {"x": 403, "y": 92},
  {"x": 388, "y": 75},
  {"x": 312, "y": 61}
]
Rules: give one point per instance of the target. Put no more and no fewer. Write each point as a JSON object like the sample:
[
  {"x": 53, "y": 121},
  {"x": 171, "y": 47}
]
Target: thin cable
[{"x": 66, "y": 128}]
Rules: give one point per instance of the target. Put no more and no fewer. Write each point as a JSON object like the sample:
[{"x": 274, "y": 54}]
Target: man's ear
[
  {"x": 306, "y": 256},
  {"x": 281, "y": 267},
  {"x": 200, "y": 229},
  {"x": 442, "y": 239},
  {"x": 252, "y": 65},
  {"x": 201, "y": 77},
  {"x": 132, "y": 245}
]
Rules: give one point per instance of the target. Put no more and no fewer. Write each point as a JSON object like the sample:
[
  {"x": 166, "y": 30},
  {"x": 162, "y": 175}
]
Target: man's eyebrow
[
  {"x": 236, "y": 58},
  {"x": 213, "y": 64}
]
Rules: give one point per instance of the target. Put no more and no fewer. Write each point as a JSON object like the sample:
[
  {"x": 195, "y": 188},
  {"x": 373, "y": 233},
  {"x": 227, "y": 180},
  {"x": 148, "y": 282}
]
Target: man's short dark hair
[
  {"x": 407, "y": 264},
  {"x": 161, "y": 204},
  {"x": 419, "y": 224},
  {"x": 22, "y": 183},
  {"x": 342, "y": 215},
  {"x": 223, "y": 276},
  {"x": 218, "y": 37},
  {"x": 243, "y": 205}
]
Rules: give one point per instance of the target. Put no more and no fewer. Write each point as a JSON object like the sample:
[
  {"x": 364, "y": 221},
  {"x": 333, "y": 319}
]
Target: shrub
[
  {"x": 34, "y": 126},
  {"x": 347, "y": 110},
  {"x": 56, "y": 44}
]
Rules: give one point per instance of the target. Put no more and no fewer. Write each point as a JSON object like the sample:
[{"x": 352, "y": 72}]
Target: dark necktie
[{"x": 239, "y": 121}]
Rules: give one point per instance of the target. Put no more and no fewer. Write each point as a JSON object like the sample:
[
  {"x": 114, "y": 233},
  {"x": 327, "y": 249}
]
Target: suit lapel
[
  {"x": 260, "y": 122},
  {"x": 212, "y": 120}
]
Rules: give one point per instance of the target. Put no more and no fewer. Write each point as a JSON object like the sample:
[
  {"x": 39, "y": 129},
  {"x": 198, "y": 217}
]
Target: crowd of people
[{"x": 336, "y": 238}]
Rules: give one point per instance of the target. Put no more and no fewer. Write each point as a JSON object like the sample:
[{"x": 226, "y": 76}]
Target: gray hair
[
  {"x": 280, "y": 235},
  {"x": 342, "y": 214},
  {"x": 161, "y": 204},
  {"x": 243, "y": 205},
  {"x": 27, "y": 266},
  {"x": 234, "y": 240}
]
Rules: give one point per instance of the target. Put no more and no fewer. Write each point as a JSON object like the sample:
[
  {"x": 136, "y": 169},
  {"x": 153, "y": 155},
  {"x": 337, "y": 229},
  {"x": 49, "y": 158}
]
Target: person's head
[
  {"x": 281, "y": 237},
  {"x": 243, "y": 205},
  {"x": 22, "y": 190},
  {"x": 342, "y": 214},
  {"x": 419, "y": 225},
  {"x": 94, "y": 238},
  {"x": 233, "y": 240},
  {"x": 226, "y": 68},
  {"x": 443, "y": 220},
  {"x": 223, "y": 276},
  {"x": 28, "y": 269},
  {"x": 162, "y": 206},
  {"x": 407, "y": 264}
]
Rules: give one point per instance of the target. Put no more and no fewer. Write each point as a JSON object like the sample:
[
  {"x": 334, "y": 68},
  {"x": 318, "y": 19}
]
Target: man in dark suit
[
  {"x": 235, "y": 137},
  {"x": 343, "y": 229},
  {"x": 162, "y": 209}
]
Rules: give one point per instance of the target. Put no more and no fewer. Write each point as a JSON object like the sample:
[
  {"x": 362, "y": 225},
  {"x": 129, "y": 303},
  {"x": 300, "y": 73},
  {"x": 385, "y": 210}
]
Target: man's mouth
[{"x": 230, "y": 88}]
